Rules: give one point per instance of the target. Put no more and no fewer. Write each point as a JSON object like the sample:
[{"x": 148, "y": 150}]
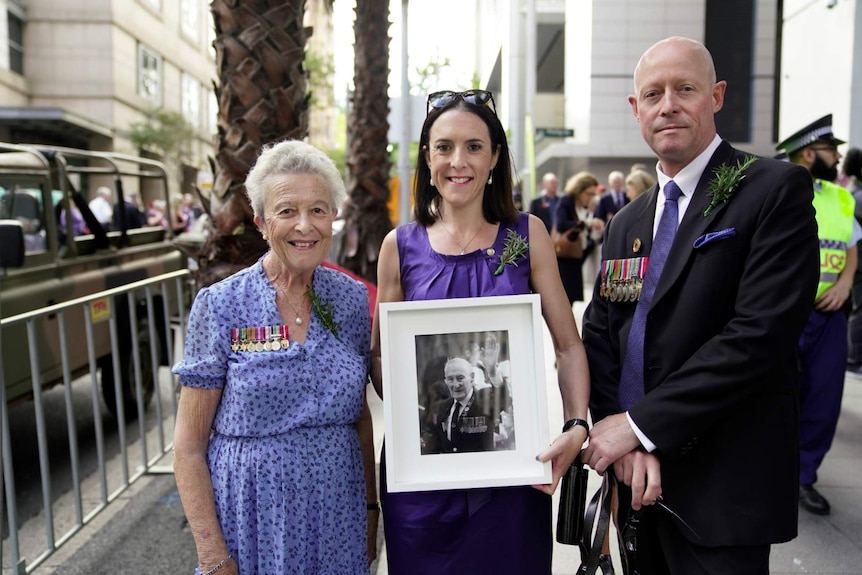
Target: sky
[{"x": 437, "y": 30}]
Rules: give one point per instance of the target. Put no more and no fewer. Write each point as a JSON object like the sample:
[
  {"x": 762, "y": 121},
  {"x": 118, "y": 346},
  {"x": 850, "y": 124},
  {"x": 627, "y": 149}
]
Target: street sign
[{"x": 554, "y": 133}]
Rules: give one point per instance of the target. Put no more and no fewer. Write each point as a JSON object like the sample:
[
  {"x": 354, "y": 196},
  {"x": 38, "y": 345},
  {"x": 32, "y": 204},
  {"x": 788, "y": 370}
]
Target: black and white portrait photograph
[
  {"x": 465, "y": 392},
  {"x": 464, "y": 401}
]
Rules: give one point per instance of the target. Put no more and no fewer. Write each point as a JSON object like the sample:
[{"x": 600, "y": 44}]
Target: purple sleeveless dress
[{"x": 493, "y": 531}]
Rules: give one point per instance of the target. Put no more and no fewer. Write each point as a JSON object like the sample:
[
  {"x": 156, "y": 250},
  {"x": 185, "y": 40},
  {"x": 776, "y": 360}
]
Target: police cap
[{"x": 817, "y": 131}]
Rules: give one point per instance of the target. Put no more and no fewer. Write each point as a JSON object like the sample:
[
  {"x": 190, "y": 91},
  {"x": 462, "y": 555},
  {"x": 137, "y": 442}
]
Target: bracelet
[
  {"x": 573, "y": 422},
  {"x": 374, "y": 506},
  {"x": 218, "y": 566}
]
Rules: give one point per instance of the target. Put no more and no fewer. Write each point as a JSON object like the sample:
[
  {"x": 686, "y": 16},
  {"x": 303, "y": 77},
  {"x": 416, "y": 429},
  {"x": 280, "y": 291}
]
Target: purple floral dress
[
  {"x": 284, "y": 455},
  {"x": 495, "y": 531}
]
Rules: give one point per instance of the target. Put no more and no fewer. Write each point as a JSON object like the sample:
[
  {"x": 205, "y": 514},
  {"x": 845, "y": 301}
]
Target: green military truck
[{"x": 38, "y": 184}]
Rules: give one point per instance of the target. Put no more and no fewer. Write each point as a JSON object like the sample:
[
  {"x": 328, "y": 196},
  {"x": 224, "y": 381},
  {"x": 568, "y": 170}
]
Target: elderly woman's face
[{"x": 299, "y": 216}]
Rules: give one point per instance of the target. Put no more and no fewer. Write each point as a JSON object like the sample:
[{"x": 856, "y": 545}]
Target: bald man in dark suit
[{"x": 692, "y": 349}]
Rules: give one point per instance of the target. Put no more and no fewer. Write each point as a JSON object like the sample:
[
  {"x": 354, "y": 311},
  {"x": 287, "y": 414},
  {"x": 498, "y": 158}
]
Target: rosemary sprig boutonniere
[
  {"x": 726, "y": 181},
  {"x": 514, "y": 248},
  {"x": 323, "y": 310}
]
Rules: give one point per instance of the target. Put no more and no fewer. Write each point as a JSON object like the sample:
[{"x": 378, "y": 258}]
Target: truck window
[{"x": 24, "y": 205}]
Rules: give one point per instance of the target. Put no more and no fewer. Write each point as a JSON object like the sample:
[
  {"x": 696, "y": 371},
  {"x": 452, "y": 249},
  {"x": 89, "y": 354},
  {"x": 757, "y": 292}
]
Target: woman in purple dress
[
  {"x": 464, "y": 212},
  {"x": 274, "y": 458}
]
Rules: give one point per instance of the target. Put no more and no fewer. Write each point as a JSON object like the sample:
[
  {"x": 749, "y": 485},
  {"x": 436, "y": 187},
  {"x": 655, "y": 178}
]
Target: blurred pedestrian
[
  {"x": 102, "y": 206},
  {"x": 852, "y": 169},
  {"x": 613, "y": 199},
  {"x": 545, "y": 206},
  {"x": 573, "y": 217},
  {"x": 637, "y": 183}
]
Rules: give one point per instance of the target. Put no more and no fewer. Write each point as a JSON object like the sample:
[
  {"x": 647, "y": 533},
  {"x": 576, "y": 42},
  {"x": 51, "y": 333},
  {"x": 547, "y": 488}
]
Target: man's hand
[
  {"x": 833, "y": 298},
  {"x": 642, "y": 472},
  {"x": 610, "y": 439}
]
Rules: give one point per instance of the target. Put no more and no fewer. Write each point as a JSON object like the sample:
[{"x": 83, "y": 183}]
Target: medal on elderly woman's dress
[
  {"x": 285, "y": 336},
  {"x": 234, "y": 339},
  {"x": 258, "y": 335}
]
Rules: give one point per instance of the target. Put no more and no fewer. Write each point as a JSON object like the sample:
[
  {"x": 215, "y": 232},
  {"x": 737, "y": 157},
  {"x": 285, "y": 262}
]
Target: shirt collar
[{"x": 689, "y": 176}]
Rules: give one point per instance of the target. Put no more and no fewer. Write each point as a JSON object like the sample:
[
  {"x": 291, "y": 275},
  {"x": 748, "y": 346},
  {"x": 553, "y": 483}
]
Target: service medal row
[
  {"x": 622, "y": 280},
  {"x": 260, "y": 338}
]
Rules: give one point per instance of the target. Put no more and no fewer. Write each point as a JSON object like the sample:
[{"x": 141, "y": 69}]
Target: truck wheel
[{"x": 127, "y": 372}]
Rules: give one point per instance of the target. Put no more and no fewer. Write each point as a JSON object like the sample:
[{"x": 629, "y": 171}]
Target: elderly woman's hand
[{"x": 373, "y": 518}]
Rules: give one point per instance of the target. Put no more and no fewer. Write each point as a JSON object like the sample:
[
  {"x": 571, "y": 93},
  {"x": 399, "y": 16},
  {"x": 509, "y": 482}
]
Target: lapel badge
[{"x": 636, "y": 245}]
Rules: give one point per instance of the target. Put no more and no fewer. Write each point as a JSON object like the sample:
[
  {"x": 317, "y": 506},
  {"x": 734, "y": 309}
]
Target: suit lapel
[
  {"x": 640, "y": 234},
  {"x": 693, "y": 224}
]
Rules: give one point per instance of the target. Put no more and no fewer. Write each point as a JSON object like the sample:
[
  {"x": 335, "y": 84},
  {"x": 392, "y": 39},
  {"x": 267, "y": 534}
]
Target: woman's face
[
  {"x": 632, "y": 191},
  {"x": 585, "y": 198},
  {"x": 299, "y": 216},
  {"x": 460, "y": 156}
]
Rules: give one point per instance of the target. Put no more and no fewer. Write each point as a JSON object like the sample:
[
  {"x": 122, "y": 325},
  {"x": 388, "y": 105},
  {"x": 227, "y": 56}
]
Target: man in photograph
[{"x": 467, "y": 420}]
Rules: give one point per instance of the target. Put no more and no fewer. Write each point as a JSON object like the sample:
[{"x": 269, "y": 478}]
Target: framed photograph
[{"x": 464, "y": 399}]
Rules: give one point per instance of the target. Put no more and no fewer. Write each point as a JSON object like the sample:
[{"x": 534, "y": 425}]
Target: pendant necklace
[
  {"x": 298, "y": 320},
  {"x": 462, "y": 246}
]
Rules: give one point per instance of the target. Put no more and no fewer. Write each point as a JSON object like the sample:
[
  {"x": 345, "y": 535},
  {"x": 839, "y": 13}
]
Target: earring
[
  {"x": 266, "y": 239},
  {"x": 490, "y": 178},
  {"x": 432, "y": 184}
]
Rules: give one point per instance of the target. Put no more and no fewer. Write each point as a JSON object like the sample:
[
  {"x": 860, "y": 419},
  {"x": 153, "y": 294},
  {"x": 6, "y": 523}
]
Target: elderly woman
[{"x": 272, "y": 426}]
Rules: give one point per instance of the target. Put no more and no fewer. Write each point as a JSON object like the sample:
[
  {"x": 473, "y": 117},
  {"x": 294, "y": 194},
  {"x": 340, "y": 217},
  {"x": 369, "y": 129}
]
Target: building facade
[
  {"x": 80, "y": 74},
  {"x": 568, "y": 64}
]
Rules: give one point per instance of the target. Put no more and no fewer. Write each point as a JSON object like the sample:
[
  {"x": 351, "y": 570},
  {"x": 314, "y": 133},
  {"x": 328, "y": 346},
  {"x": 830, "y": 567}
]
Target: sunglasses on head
[{"x": 443, "y": 98}]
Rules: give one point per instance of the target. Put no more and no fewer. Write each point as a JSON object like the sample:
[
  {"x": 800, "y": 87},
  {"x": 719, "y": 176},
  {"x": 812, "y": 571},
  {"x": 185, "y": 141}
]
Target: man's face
[
  {"x": 675, "y": 102},
  {"x": 458, "y": 375},
  {"x": 616, "y": 182},
  {"x": 825, "y": 165},
  {"x": 550, "y": 184}
]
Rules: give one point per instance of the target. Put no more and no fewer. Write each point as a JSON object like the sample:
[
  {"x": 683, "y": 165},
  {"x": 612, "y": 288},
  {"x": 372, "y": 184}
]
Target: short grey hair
[{"x": 292, "y": 157}]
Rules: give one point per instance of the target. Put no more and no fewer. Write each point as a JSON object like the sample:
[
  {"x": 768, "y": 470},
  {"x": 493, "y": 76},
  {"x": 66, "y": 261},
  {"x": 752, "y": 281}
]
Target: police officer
[{"x": 823, "y": 345}]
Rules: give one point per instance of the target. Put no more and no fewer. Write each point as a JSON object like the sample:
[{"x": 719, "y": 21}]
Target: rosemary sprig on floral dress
[{"x": 323, "y": 310}]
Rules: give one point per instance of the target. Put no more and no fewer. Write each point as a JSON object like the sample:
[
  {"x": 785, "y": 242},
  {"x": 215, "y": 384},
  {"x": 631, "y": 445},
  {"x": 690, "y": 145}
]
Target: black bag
[{"x": 573, "y": 501}]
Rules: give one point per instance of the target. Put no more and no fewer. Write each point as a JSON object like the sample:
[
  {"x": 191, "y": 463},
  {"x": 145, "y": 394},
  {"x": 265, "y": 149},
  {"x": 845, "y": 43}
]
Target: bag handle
[{"x": 599, "y": 515}]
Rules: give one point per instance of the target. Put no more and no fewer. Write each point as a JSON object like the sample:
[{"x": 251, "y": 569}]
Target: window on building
[
  {"x": 16, "y": 43},
  {"x": 191, "y": 100},
  {"x": 190, "y": 18},
  {"x": 149, "y": 74}
]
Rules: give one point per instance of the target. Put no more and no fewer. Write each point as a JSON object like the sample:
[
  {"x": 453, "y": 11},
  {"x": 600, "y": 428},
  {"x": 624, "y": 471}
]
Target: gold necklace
[
  {"x": 460, "y": 245},
  {"x": 298, "y": 320}
]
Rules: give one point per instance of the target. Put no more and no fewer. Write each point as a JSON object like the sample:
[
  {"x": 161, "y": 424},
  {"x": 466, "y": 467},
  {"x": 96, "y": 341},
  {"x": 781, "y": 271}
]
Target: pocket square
[{"x": 713, "y": 237}]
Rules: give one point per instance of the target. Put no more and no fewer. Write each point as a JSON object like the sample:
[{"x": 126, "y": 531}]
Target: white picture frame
[{"x": 422, "y": 336}]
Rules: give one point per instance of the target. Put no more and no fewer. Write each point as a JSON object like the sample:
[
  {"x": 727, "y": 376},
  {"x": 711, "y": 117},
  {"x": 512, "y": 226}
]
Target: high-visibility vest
[{"x": 834, "y": 212}]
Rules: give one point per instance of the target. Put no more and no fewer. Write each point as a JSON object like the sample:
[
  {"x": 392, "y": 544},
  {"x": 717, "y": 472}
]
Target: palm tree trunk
[
  {"x": 366, "y": 214},
  {"x": 261, "y": 91}
]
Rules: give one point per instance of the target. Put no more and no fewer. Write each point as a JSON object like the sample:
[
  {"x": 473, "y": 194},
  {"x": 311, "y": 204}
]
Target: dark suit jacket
[
  {"x": 720, "y": 350},
  {"x": 475, "y": 428},
  {"x": 607, "y": 207},
  {"x": 541, "y": 208}
]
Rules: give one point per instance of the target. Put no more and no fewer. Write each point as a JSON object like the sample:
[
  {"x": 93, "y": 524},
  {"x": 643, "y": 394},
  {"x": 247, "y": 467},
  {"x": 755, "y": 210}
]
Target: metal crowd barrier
[{"x": 176, "y": 289}]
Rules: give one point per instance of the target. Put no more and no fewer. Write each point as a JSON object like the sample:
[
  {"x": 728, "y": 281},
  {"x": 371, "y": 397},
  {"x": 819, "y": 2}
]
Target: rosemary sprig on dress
[
  {"x": 323, "y": 310},
  {"x": 726, "y": 181},
  {"x": 515, "y": 247}
]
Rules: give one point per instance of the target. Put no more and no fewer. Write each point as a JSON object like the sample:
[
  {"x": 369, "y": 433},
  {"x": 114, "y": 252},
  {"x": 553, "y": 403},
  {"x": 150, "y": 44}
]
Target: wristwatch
[{"x": 573, "y": 422}]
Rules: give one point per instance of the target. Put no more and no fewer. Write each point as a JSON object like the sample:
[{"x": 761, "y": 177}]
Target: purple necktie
[{"x": 632, "y": 377}]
